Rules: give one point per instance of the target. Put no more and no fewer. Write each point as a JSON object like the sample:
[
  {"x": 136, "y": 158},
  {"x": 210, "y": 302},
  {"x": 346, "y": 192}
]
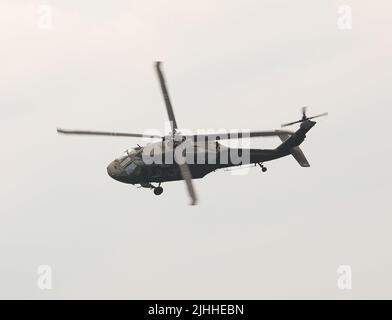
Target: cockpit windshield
[
  {"x": 131, "y": 153},
  {"x": 130, "y": 159}
]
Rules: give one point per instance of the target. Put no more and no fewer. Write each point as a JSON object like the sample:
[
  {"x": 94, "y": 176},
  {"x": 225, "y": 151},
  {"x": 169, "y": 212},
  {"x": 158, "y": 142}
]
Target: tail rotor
[{"x": 304, "y": 117}]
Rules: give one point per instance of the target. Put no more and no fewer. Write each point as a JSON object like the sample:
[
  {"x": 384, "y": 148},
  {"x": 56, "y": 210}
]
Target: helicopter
[{"x": 176, "y": 156}]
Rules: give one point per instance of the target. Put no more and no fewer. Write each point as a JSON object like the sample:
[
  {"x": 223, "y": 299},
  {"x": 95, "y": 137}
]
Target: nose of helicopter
[{"x": 114, "y": 169}]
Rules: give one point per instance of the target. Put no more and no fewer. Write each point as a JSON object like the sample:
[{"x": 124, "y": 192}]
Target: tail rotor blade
[
  {"x": 304, "y": 112},
  {"x": 319, "y": 115},
  {"x": 304, "y": 117},
  {"x": 291, "y": 123}
]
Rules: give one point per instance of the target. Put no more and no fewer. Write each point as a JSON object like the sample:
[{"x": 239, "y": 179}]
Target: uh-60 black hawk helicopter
[{"x": 136, "y": 167}]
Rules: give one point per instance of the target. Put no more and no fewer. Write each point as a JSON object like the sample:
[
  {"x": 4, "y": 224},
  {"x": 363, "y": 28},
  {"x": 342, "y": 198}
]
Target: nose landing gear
[{"x": 264, "y": 169}]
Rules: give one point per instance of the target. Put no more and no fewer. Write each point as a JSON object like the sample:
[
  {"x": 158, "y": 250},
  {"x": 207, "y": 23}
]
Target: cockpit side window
[
  {"x": 125, "y": 162},
  {"x": 135, "y": 168},
  {"x": 131, "y": 168},
  {"x": 129, "y": 156}
]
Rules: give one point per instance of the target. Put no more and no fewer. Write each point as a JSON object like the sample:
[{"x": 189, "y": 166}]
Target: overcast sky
[{"x": 229, "y": 64}]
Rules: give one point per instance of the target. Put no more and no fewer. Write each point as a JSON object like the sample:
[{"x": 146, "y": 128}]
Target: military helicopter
[{"x": 135, "y": 166}]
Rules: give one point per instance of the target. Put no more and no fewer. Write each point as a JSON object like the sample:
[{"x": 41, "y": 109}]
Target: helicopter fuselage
[
  {"x": 131, "y": 169},
  {"x": 136, "y": 165}
]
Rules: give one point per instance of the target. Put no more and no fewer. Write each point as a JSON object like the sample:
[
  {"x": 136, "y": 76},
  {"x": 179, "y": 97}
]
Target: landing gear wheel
[
  {"x": 264, "y": 169},
  {"x": 158, "y": 191}
]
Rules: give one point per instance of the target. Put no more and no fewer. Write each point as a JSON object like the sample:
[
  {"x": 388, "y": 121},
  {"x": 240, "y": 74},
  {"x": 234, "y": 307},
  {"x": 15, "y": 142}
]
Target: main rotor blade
[
  {"x": 105, "y": 133},
  {"x": 239, "y": 135},
  {"x": 166, "y": 97},
  {"x": 319, "y": 115},
  {"x": 273, "y": 133},
  {"x": 187, "y": 176}
]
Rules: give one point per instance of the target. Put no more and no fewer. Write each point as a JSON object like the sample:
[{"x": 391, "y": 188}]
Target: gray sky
[{"x": 229, "y": 64}]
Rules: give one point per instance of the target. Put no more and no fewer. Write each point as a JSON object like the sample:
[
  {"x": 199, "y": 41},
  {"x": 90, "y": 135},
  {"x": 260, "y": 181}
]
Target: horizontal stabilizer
[
  {"x": 296, "y": 152},
  {"x": 299, "y": 156}
]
